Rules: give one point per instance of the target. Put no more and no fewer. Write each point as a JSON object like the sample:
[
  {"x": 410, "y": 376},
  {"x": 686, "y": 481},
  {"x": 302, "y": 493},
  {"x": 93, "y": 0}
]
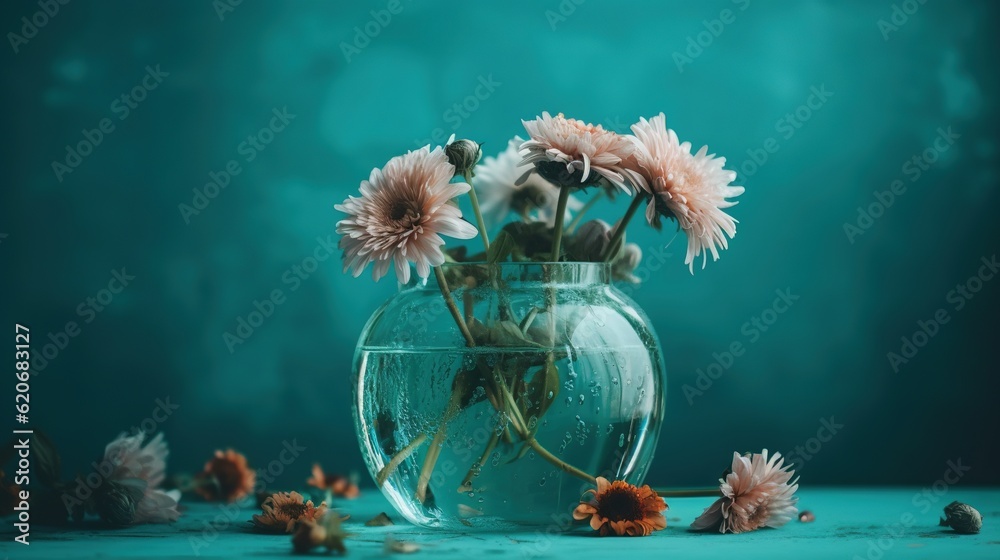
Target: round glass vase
[{"x": 490, "y": 395}]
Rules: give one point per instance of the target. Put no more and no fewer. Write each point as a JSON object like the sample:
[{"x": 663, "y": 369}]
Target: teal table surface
[{"x": 875, "y": 523}]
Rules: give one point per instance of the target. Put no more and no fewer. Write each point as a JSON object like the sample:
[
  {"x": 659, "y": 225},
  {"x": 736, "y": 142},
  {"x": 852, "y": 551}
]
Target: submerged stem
[
  {"x": 398, "y": 459},
  {"x": 548, "y": 456},
  {"x": 450, "y": 302},
  {"x": 435, "y": 451},
  {"x": 491, "y": 444}
]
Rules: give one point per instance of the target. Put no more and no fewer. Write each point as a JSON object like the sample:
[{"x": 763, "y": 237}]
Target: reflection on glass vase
[{"x": 491, "y": 395}]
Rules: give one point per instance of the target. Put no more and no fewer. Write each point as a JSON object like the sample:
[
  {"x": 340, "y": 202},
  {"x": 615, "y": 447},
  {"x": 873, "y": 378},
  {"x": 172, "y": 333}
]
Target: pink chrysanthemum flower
[
  {"x": 141, "y": 468},
  {"x": 692, "y": 189},
  {"x": 757, "y": 493},
  {"x": 403, "y": 210},
  {"x": 501, "y": 192},
  {"x": 572, "y": 153}
]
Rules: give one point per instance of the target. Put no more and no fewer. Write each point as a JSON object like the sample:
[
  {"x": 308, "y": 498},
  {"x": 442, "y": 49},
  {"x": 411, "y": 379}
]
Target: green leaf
[
  {"x": 508, "y": 334},
  {"x": 501, "y": 248}
]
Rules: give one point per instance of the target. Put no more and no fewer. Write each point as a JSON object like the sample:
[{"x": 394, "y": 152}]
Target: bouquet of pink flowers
[{"x": 407, "y": 208}]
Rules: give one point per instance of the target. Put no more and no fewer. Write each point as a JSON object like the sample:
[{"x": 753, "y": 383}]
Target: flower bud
[
  {"x": 591, "y": 241},
  {"x": 626, "y": 262},
  {"x": 464, "y": 155}
]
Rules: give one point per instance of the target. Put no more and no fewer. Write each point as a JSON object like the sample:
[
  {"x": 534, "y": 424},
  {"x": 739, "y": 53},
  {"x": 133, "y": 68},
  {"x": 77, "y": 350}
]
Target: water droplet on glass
[
  {"x": 621, "y": 440},
  {"x": 542, "y": 482},
  {"x": 481, "y": 500},
  {"x": 551, "y": 394},
  {"x": 582, "y": 398},
  {"x": 611, "y": 428}
]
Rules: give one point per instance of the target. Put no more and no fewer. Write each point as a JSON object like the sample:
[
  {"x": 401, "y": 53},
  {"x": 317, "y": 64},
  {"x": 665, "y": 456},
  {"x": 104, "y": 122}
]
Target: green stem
[
  {"x": 579, "y": 215},
  {"x": 521, "y": 427},
  {"x": 479, "y": 215},
  {"x": 619, "y": 232},
  {"x": 487, "y": 451},
  {"x": 453, "y": 403},
  {"x": 450, "y": 303},
  {"x": 688, "y": 492},
  {"x": 560, "y": 218},
  {"x": 548, "y": 456},
  {"x": 436, "y": 445},
  {"x": 398, "y": 459},
  {"x": 556, "y": 248}
]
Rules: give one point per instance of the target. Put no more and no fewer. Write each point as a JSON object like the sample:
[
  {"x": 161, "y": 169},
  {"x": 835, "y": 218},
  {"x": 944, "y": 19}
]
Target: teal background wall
[{"x": 887, "y": 93}]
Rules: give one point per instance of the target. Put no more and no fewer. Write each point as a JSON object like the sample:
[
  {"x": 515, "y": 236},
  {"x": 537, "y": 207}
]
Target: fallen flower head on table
[
  {"x": 622, "y": 509},
  {"x": 758, "y": 492},
  {"x": 282, "y": 510},
  {"x": 226, "y": 477}
]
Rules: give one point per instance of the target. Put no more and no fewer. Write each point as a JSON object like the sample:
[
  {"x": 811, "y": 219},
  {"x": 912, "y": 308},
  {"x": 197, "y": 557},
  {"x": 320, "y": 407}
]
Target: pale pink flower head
[
  {"x": 572, "y": 153},
  {"x": 692, "y": 189},
  {"x": 403, "y": 211},
  {"x": 757, "y": 493},
  {"x": 141, "y": 468},
  {"x": 501, "y": 192}
]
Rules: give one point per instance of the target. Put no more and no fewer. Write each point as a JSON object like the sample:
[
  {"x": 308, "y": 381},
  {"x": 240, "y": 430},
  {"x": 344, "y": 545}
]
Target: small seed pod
[{"x": 963, "y": 518}]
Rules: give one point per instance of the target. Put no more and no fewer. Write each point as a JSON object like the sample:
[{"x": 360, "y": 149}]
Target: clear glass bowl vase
[{"x": 491, "y": 395}]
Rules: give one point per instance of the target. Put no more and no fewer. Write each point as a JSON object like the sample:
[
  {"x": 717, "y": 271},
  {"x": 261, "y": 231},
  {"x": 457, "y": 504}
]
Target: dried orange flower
[
  {"x": 339, "y": 485},
  {"x": 283, "y": 509},
  {"x": 623, "y": 509},
  {"x": 226, "y": 477}
]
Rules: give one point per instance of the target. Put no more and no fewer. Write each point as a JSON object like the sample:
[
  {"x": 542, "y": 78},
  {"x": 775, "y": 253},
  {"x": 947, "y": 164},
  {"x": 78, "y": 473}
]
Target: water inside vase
[{"x": 598, "y": 418}]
